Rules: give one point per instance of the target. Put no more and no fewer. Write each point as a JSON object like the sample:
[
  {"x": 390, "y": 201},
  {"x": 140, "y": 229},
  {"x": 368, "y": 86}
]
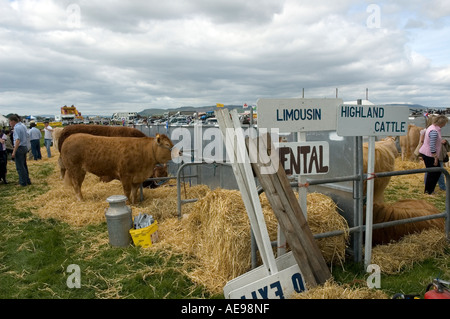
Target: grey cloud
[{"x": 134, "y": 55}]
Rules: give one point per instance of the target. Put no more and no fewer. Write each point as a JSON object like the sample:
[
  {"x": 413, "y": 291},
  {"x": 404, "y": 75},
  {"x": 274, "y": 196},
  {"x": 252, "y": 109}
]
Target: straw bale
[
  {"x": 323, "y": 216},
  {"x": 397, "y": 256},
  {"x": 217, "y": 233},
  {"x": 407, "y": 165},
  {"x": 402, "y": 209},
  {"x": 332, "y": 290}
]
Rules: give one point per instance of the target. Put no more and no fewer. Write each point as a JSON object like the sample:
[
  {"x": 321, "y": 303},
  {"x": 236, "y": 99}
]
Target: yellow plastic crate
[{"x": 145, "y": 237}]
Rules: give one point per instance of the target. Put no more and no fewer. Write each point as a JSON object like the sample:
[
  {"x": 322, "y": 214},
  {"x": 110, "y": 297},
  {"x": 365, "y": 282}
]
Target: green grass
[{"x": 35, "y": 254}]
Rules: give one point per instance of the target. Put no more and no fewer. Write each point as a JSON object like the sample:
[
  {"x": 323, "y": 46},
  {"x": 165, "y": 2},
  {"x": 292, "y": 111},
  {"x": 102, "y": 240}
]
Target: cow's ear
[{"x": 158, "y": 138}]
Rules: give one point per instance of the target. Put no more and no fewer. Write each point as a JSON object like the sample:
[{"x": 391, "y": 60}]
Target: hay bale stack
[
  {"x": 323, "y": 216},
  {"x": 402, "y": 209},
  {"x": 402, "y": 255},
  {"x": 217, "y": 233}
]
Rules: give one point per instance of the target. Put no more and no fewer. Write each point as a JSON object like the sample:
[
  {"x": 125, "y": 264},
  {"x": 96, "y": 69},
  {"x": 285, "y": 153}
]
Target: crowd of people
[{"x": 18, "y": 142}]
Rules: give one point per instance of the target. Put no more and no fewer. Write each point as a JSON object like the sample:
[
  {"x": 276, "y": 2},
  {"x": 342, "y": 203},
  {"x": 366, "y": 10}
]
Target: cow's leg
[
  {"x": 126, "y": 185},
  {"x": 77, "y": 181},
  {"x": 134, "y": 193}
]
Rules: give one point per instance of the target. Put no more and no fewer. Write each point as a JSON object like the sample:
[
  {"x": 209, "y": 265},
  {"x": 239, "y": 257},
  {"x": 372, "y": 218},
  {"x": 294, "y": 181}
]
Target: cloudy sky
[{"x": 109, "y": 56}]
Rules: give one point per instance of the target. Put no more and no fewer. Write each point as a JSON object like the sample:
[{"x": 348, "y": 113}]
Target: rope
[{"x": 306, "y": 185}]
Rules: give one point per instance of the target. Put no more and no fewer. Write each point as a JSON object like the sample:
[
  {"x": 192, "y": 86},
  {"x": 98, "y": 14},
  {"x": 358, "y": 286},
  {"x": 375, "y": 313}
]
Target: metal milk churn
[{"x": 119, "y": 221}]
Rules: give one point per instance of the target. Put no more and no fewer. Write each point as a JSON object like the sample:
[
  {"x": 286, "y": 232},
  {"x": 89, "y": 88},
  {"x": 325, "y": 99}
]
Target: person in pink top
[{"x": 430, "y": 151}]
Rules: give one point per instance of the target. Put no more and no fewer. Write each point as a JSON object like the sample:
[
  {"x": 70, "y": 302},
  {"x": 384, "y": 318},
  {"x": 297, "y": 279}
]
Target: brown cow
[
  {"x": 99, "y": 130},
  {"x": 128, "y": 159}
]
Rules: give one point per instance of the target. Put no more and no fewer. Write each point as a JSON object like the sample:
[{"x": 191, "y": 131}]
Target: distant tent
[{"x": 3, "y": 121}]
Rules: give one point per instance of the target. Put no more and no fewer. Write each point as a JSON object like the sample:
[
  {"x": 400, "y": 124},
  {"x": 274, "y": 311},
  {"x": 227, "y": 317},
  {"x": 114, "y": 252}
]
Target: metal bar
[
  {"x": 191, "y": 200},
  {"x": 167, "y": 178},
  {"x": 358, "y": 193},
  {"x": 329, "y": 180},
  {"x": 369, "y": 198},
  {"x": 380, "y": 225},
  {"x": 178, "y": 177}
]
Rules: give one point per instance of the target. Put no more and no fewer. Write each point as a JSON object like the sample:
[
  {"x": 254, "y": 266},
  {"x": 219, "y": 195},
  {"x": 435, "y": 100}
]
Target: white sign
[
  {"x": 372, "y": 120},
  {"x": 278, "y": 286},
  {"x": 304, "y": 158},
  {"x": 257, "y": 284},
  {"x": 298, "y": 115}
]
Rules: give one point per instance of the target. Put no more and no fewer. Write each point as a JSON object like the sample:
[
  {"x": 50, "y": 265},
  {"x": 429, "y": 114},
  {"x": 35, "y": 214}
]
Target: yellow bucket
[{"x": 145, "y": 237}]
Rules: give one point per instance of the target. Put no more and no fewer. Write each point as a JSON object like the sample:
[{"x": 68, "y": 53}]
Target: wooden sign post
[{"x": 279, "y": 277}]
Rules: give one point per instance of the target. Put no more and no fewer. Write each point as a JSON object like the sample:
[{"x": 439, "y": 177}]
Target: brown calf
[{"x": 128, "y": 159}]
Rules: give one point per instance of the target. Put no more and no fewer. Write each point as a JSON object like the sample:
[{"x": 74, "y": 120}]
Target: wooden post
[
  {"x": 290, "y": 217},
  {"x": 247, "y": 186}
]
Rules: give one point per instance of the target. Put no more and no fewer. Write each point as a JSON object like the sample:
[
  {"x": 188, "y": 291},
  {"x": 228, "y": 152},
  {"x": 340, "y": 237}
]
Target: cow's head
[{"x": 165, "y": 150}]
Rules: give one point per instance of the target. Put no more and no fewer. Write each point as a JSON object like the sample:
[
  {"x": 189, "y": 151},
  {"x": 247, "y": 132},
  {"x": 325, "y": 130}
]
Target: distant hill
[
  {"x": 159, "y": 111},
  {"x": 411, "y": 106}
]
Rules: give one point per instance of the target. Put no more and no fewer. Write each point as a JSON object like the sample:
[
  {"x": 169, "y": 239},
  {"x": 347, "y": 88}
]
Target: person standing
[
  {"x": 48, "y": 137},
  {"x": 431, "y": 150},
  {"x": 20, "y": 150},
  {"x": 35, "y": 141},
  {"x": 3, "y": 157}
]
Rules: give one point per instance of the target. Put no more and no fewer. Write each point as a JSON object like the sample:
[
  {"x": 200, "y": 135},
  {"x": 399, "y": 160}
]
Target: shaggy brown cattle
[
  {"x": 99, "y": 130},
  {"x": 128, "y": 159},
  {"x": 384, "y": 162},
  {"x": 409, "y": 142},
  {"x": 402, "y": 209},
  {"x": 389, "y": 142}
]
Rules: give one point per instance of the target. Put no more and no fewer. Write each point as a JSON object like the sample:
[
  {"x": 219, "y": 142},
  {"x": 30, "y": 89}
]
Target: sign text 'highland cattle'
[{"x": 372, "y": 120}]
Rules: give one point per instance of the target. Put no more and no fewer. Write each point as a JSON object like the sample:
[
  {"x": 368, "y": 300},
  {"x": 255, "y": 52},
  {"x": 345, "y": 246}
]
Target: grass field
[{"x": 35, "y": 253}]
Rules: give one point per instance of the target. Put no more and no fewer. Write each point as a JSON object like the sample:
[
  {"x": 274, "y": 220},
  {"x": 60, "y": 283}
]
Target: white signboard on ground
[
  {"x": 257, "y": 284},
  {"x": 372, "y": 120},
  {"x": 298, "y": 115},
  {"x": 304, "y": 158}
]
